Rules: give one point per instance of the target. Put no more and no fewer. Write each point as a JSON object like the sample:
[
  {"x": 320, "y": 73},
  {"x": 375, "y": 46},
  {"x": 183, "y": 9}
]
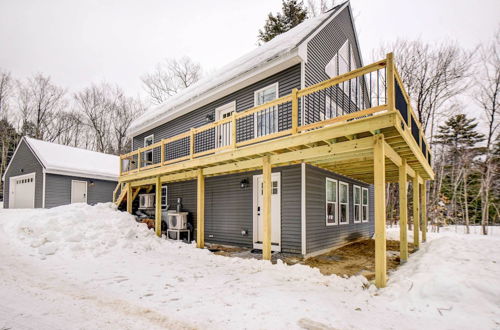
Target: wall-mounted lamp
[
  {"x": 22, "y": 170},
  {"x": 91, "y": 183},
  {"x": 210, "y": 117},
  {"x": 244, "y": 232},
  {"x": 244, "y": 183}
]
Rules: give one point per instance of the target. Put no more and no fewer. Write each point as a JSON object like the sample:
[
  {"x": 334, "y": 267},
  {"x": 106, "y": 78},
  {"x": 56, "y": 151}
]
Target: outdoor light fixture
[
  {"x": 244, "y": 183},
  {"x": 91, "y": 183},
  {"x": 210, "y": 117},
  {"x": 244, "y": 232}
]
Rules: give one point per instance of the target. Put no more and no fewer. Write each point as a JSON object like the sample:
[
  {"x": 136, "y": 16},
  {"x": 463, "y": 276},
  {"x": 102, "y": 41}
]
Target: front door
[
  {"x": 258, "y": 223},
  {"x": 78, "y": 191},
  {"x": 223, "y": 132}
]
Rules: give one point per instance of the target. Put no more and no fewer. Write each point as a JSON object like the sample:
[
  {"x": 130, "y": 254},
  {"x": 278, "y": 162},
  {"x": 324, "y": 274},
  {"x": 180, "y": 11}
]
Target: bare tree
[
  {"x": 6, "y": 89},
  {"x": 169, "y": 77},
  {"x": 95, "y": 104},
  {"x": 487, "y": 96},
  {"x": 317, "y": 8},
  {"x": 39, "y": 103},
  {"x": 432, "y": 75},
  {"x": 126, "y": 109}
]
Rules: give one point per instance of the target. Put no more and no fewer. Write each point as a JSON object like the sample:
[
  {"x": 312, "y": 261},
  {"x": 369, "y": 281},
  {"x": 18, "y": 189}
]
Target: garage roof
[{"x": 65, "y": 160}]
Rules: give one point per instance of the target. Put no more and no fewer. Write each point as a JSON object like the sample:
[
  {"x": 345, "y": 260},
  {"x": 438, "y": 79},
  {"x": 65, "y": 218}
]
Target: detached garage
[{"x": 44, "y": 174}]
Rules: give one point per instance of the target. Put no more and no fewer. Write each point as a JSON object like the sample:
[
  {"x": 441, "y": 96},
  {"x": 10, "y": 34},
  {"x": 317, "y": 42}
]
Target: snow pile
[{"x": 79, "y": 229}]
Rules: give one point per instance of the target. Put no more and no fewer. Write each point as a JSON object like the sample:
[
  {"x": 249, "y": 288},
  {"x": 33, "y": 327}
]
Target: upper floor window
[
  {"x": 148, "y": 155},
  {"x": 266, "y": 120}
]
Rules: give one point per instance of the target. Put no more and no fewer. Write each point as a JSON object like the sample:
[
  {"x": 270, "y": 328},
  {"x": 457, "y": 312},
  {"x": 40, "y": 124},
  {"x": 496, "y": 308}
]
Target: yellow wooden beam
[
  {"x": 391, "y": 99},
  {"x": 424, "y": 211},
  {"x": 391, "y": 154},
  {"x": 380, "y": 244},
  {"x": 266, "y": 210},
  {"x": 416, "y": 211},
  {"x": 129, "y": 198},
  {"x": 295, "y": 111},
  {"x": 403, "y": 213},
  {"x": 158, "y": 207},
  {"x": 410, "y": 171},
  {"x": 200, "y": 210}
]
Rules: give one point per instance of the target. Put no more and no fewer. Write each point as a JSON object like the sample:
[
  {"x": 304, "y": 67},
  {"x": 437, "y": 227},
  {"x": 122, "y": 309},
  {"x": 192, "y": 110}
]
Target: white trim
[
  {"x": 12, "y": 192},
  {"x": 83, "y": 175},
  {"x": 359, "y": 204},
  {"x": 276, "y": 88},
  {"x": 237, "y": 83},
  {"x": 152, "y": 136},
  {"x": 274, "y": 176},
  {"x": 150, "y": 151},
  {"x": 223, "y": 109},
  {"x": 43, "y": 188},
  {"x": 303, "y": 208},
  {"x": 348, "y": 203},
  {"x": 14, "y": 155},
  {"x": 367, "y": 205},
  {"x": 336, "y": 202},
  {"x": 86, "y": 191}
]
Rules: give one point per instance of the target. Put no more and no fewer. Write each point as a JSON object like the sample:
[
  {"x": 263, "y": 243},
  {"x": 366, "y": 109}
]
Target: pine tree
[
  {"x": 459, "y": 136},
  {"x": 293, "y": 13}
]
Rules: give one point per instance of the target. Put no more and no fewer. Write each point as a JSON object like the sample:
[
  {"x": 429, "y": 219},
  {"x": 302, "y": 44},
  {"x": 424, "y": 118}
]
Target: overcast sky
[{"x": 79, "y": 42}]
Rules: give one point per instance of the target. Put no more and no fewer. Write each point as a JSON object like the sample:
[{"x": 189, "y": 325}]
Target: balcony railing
[{"x": 354, "y": 95}]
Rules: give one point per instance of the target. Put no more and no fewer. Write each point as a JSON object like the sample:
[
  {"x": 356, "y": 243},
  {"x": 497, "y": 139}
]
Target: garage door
[{"x": 22, "y": 192}]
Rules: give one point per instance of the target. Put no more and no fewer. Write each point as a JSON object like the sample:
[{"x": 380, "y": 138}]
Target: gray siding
[
  {"x": 25, "y": 162},
  {"x": 319, "y": 236},
  {"x": 58, "y": 190},
  {"x": 228, "y": 208},
  {"x": 287, "y": 80}
]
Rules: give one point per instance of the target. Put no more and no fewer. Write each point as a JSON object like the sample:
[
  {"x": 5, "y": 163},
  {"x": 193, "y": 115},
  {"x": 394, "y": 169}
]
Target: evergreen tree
[{"x": 293, "y": 13}]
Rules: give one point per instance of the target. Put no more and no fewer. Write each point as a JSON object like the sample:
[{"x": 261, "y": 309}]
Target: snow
[
  {"x": 61, "y": 159},
  {"x": 81, "y": 266},
  {"x": 278, "y": 47}
]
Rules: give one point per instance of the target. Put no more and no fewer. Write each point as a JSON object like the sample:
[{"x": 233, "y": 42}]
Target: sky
[{"x": 81, "y": 42}]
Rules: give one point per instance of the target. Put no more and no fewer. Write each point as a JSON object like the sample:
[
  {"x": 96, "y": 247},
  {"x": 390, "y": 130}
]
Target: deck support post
[
  {"x": 416, "y": 212},
  {"x": 424, "y": 211},
  {"x": 200, "y": 210},
  {"x": 158, "y": 207},
  {"x": 380, "y": 243},
  {"x": 403, "y": 213},
  {"x": 129, "y": 198},
  {"x": 266, "y": 210},
  {"x": 295, "y": 111}
]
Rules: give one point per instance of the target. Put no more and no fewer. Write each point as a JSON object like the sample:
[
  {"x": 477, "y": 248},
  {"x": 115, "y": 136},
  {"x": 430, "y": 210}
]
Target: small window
[
  {"x": 164, "y": 197},
  {"x": 331, "y": 202},
  {"x": 148, "y": 155},
  {"x": 357, "y": 204},
  {"x": 266, "y": 94},
  {"x": 275, "y": 187},
  {"x": 343, "y": 203},
  {"x": 364, "y": 211}
]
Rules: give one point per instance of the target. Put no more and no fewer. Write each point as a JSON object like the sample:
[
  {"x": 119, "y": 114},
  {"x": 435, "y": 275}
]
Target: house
[
  {"x": 287, "y": 148},
  {"x": 43, "y": 175}
]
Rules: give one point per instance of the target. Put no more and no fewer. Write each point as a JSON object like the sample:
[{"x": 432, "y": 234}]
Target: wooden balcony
[{"x": 331, "y": 125}]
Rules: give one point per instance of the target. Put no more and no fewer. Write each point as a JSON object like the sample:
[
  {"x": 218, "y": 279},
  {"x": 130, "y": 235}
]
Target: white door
[
  {"x": 258, "y": 223},
  {"x": 223, "y": 132},
  {"x": 78, "y": 191},
  {"x": 22, "y": 191}
]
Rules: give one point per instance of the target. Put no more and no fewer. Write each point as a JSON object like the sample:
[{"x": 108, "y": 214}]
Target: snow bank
[{"x": 78, "y": 229}]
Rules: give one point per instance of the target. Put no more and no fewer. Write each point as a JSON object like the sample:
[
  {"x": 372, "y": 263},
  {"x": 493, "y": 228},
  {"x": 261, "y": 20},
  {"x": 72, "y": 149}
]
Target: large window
[
  {"x": 266, "y": 121},
  {"x": 331, "y": 202},
  {"x": 365, "y": 205},
  {"x": 343, "y": 203},
  {"x": 357, "y": 204},
  {"x": 148, "y": 155}
]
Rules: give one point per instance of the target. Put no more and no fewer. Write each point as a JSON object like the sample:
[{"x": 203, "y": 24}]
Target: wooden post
[
  {"x": 233, "y": 130},
  {"x": 416, "y": 212},
  {"x": 200, "y": 210},
  {"x": 162, "y": 152},
  {"x": 391, "y": 99},
  {"x": 295, "y": 111},
  {"x": 158, "y": 207},
  {"x": 403, "y": 213},
  {"x": 191, "y": 143},
  {"x": 266, "y": 210},
  {"x": 138, "y": 160},
  {"x": 424, "y": 211},
  {"x": 129, "y": 198},
  {"x": 380, "y": 244}
]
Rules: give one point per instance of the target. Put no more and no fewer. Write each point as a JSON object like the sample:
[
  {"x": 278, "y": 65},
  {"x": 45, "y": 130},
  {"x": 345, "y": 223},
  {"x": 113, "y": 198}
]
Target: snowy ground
[{"x": 90, "y": 267}]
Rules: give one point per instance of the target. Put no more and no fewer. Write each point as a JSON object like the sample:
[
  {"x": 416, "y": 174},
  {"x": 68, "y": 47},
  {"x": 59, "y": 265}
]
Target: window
[
  {"x": 331, "y": 202},
  {"x": 164, "y": 197},
  {"x": 344, "y": 203},
  {"x": 266, "y": 120},
  {"x": 148, "y": 155},
  {"x": 365, "y": 205},
  {"x": 357, "y": 204}
]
